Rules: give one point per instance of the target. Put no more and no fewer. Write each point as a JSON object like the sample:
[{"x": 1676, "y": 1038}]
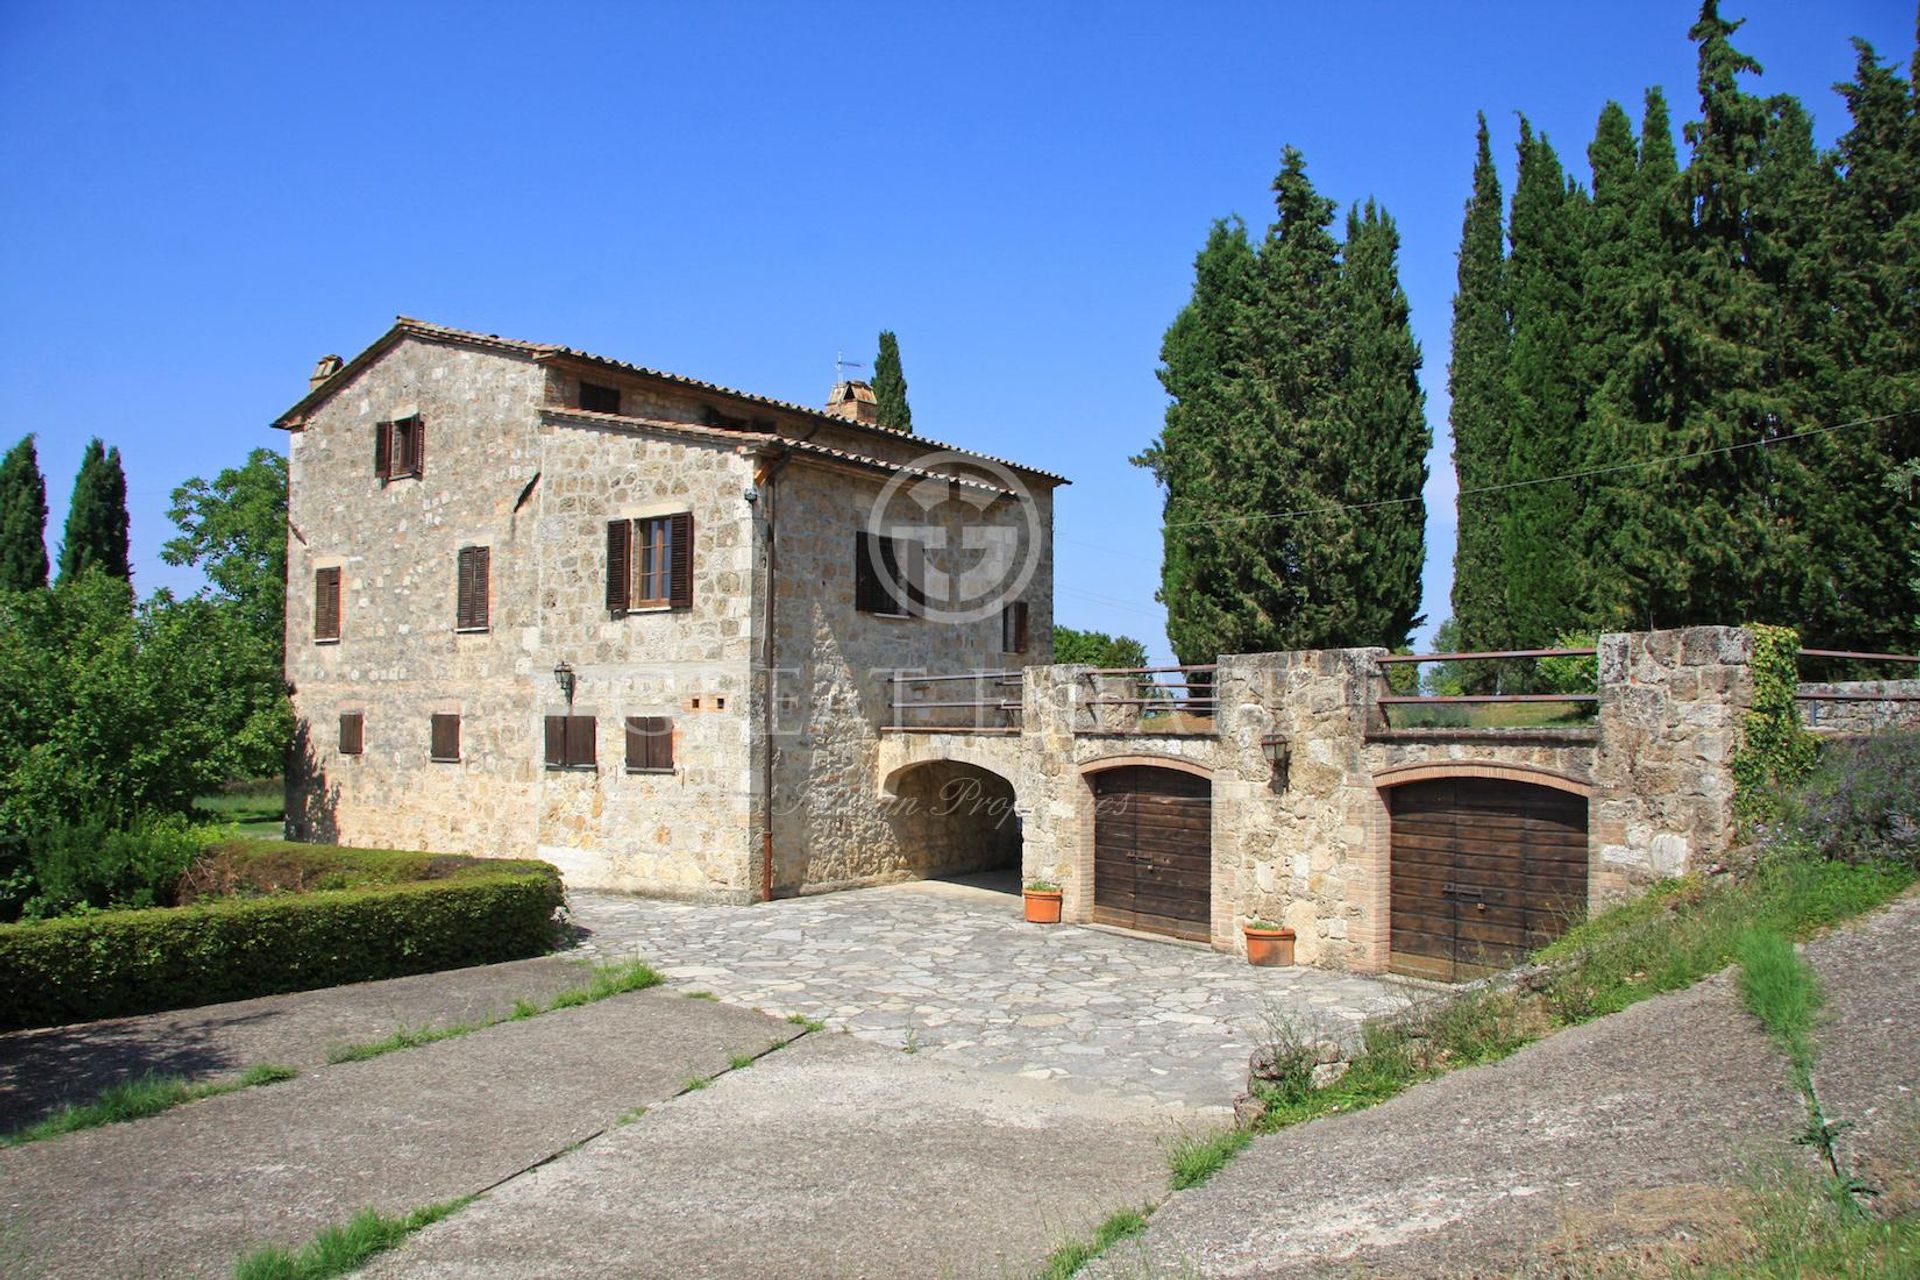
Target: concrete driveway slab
[
  {"x": 185, "y": 1193},
  {"x": 833, "y": 1157},
  {"x": 43, "y": 1068}
]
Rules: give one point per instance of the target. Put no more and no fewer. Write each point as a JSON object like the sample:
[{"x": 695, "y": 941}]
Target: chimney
[
  {"x": 324, "y": 369},
  {"x": 853, "y": 400}
]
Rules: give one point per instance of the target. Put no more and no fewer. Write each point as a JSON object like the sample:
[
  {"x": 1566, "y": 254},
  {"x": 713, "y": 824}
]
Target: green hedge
[
  {"x": 248, "y": 867},
  {"x": 80, "y": 968}
]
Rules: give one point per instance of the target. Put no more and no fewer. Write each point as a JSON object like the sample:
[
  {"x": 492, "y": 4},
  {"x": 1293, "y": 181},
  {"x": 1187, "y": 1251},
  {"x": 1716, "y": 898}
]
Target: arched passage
[
  {"x": 954, "y": 818},
  {"x": 1483, "y": 870}
]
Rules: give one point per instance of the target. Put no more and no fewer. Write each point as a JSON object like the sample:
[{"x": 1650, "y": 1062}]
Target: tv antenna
[{"x": 841, "y": 364}]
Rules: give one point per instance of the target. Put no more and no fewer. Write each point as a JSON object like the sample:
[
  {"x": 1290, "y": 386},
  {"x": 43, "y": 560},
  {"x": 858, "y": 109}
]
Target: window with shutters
[
  {"x": 650, "y": 563},
  {"x": 353, "y": 732},
  {"x": 598, "y": 399},
  {"x": 885, "y": 574},
  {"x": 326, "y": 605},
  {"x": 570, "y": 742},
  {"x": 472, "y": 610},
  {"x": 445, "y": 747},
  {"x": 1013, "y": 627},
  {"x": 399, "y": 449},
  {"x": 649, "y": 744}
]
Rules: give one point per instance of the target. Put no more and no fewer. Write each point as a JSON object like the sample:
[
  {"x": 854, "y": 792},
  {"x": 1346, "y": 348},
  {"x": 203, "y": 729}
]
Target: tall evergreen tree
[
  {"x": 23, "y": 520},
  {"x": 1387, "y": 433},
  {"x": 890, "y": 386},
  {"x": 1477, "y": 384},
  {"x": 96, "y": 532},
  {"x": 1544, "y": 398}
]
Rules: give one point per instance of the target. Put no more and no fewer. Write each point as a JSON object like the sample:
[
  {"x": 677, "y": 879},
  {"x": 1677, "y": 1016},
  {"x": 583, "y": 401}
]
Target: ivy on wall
[{"x": 1778, "y": 751}]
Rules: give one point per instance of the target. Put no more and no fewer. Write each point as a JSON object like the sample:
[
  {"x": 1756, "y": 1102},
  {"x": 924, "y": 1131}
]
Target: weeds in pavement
[
  {"x": 740, "y": 1061},
  {"x": 605, "y": 980},
  {"x": 802, "y": 1020},
  {"x": 1066, "y": 1260},
  {"x": 699, "y": 995},
  {"x": 339, "y": 1250},
  {"x": 136, "y": 1099},
  {"x": 1195, "y": 1157},
  {"x": 693, "y": 1084}
]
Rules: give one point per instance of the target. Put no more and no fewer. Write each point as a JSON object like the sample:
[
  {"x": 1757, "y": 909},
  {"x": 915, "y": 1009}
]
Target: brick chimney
[
  {"x": 853, "y": 400},
  {"x": 323, "y": 369}
]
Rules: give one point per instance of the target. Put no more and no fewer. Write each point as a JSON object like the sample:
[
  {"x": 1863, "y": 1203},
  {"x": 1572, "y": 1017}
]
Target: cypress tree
[
  {"x": 96, "y": 531},
  {"x": 1543, "y": 394},
  {"x": 1386, "y": 425},
  {"x": 1476, "y": 382},
  {"x": 23, "y": 520},
  {"x": 890, "y": 386}
]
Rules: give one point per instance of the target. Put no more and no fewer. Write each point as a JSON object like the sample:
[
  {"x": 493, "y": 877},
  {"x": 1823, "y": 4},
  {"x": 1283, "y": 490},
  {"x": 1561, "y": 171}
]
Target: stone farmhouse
[
  {"x": 534, "y": 596},
  {"x": 688, "y": 641}
]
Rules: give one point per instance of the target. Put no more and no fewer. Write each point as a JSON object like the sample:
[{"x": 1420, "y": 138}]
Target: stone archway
[{"x": 954, "y": 818}]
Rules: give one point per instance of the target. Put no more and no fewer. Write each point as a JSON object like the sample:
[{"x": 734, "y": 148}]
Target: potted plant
[
  {"x": 1268, "y": 944},
  {"x": 1042, "y": 899}
]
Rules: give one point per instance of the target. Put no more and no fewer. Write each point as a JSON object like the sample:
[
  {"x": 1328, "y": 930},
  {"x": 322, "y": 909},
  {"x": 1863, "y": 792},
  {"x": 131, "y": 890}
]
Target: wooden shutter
[
  {"x": 383, "y": 450},
  {"x": 326, "y": 604},
  {"x": 866, "y": 582},
  {"x": 649, "y": 744},
  {"x": 581, "y": 752},
  {"x": 619, "y": 565},
  {"x": 417, "y": 454},
  {"x": 1013, "y": 627},
  {"x": 446, "y": 737},
  {"x": 472, "y": 608},
  {"x": 353, "y": 733},
  {"x": 556, "y": 742},
  {"x": 680, "y": 569}
]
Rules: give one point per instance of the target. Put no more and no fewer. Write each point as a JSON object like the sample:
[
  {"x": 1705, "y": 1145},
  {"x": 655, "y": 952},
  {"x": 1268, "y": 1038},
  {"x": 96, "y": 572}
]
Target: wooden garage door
[
  {"x": 1483, "y": 872},
  {"x": 1153, "y": 851}
]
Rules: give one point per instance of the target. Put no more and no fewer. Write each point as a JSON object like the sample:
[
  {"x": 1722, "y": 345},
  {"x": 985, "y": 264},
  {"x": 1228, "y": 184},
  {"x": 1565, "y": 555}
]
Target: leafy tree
[
  {"x": 235, "y": 530},
  {"x": 1477, "y": 383},
  {"x": 1543, "y": 396},
  {"x": 890, "y": 386},
  {"x": 1387, "y": 433},
  {"x": 23, "y": 520},
  {"x": 1096, "y": 649},
  {"x": 96, "y": 533}
]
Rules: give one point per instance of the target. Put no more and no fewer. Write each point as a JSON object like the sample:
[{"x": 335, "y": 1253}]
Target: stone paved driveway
[{"x": 951, "y": 971}]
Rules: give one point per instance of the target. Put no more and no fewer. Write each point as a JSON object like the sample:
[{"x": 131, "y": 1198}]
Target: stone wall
[{"x": 1860, "y": 706}]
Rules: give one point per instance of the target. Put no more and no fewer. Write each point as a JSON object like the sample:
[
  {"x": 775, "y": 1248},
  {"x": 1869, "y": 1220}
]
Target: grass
[
  {"x": 255, "y": 809},
  {"x": 605, "y": 980},
  {"x": 802, "y": 1020},
  {"x": 1064, "y": 1261},
  {"x": 741, "y": 1061},
  {"x": 137, "y": 1099},
  {"x": 693, "y": 1084},
  {"x": 1195, "y": 1157},
  {"x": 1782, "y": 991},
  {"x": 699, "y": 995},
  {"x": 339, "y": 1250},
  {"x": 629, "y": 1116}
]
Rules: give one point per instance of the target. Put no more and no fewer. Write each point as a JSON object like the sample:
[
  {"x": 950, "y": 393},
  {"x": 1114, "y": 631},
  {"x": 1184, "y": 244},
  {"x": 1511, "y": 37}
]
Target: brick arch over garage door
[
  {"x": 1482, "y": 869},
  {"x": 1153, "y": 847}
]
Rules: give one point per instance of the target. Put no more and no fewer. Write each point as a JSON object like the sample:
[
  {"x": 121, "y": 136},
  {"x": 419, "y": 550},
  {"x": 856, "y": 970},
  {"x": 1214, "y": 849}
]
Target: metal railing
[
  {"x": 916, "y": 705},
  {"x": 1141, "y": 700},
  {"x": 1578, "y": 705},
  {"x": 1832, "y": 658}
]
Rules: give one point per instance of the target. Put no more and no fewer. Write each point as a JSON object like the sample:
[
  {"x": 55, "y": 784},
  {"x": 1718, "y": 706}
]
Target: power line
[{"x": 1522, "y": 484}]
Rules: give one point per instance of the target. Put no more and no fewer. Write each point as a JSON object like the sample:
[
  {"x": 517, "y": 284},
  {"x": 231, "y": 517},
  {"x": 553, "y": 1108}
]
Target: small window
[
  {"x": 1013, "y": 627},
  {"x": 326, "y": 605},
  {"x": 649, "y": 744},
  {"x": 399, "y": 449},
  {"x": 472, "y": 608},
  {"x": 446, "y": 738},
  {"x": 570, "y": 742},
  {"x": 598, "y": 399},
  {"x": 885, "y": 581},
  {"x": 353, "y": 733},
  {"x": 650, "y": 563}
]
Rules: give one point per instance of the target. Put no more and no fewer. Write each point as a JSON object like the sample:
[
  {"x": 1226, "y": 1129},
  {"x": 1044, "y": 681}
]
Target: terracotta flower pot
[
  {"x": 1043, "y": 905},
  {"x": 1269, "y": 947}
]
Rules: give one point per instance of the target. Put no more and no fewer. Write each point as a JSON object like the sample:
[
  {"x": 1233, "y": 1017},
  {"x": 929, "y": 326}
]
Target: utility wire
[{"x": 1521, "y": 484}]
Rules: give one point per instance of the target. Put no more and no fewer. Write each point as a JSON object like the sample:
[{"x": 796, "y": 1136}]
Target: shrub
[
  {"x": 90, "y": 864},
  {"x": 250, "y": 868},
  {"x": 127, "y": 962},
  {"x": 1861, "y": 803}
]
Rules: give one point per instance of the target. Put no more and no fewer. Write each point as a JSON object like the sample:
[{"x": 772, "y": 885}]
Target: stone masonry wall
[{"x": 1869, "y": 706}]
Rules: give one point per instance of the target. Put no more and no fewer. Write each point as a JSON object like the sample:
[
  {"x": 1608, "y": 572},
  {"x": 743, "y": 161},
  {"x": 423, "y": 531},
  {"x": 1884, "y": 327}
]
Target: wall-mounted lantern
[
  {"x": 564, "y": 677},
  {"x": 1278, "y": 752}
]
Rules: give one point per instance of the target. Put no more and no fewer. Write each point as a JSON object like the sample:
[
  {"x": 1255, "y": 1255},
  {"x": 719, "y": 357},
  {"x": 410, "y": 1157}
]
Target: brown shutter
[
  {"x": 619, "y": 559},
  {"x": 649, "y": 744},
  {"x": 463, "y": 589},
  {"x": 1013, "y": 627},
  {"x": 383, "y": 450},
  {"x": 483, "y": 587},
  {"x": 326, "y": 604},
  {"x": 580, "y": 742},
  {"x": 660, "y": 742},
  {"x": 866, "y": 583},
  {"x": 556, "y": 742},
  {"x": 416, "y": 447},
  {"x": 470, "y": 611},
  {"x": 680, "y": 570},
  {"x": 446, "y": 737},
  {"x": 636, "y": 743},
  {"x": 352, "y": 733}
]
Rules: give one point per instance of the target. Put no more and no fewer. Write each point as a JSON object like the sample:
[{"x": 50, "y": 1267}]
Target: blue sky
[{"x": 200, "y": 200}]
